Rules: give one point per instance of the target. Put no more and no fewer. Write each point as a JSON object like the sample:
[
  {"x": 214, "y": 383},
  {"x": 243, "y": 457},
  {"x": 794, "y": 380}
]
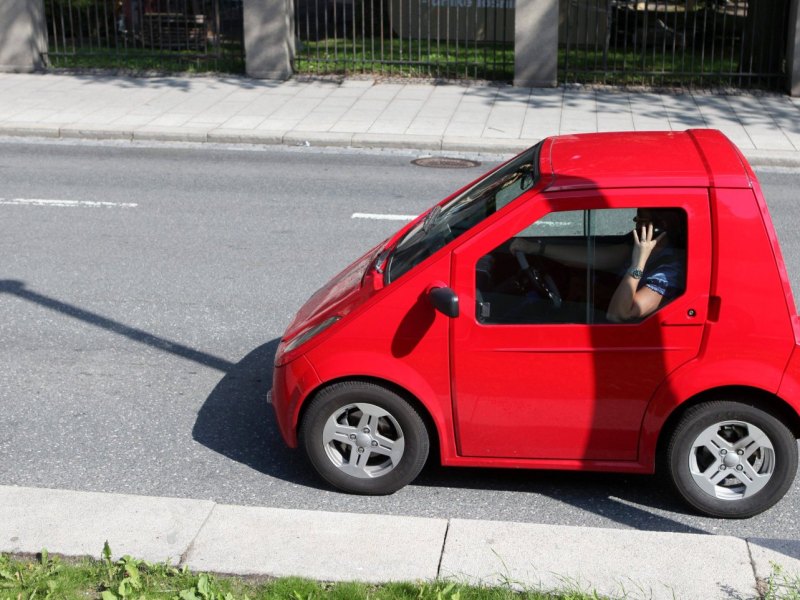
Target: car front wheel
[
  {"x": 730, "y": 459},
  {"x": 364, "y": 438}
]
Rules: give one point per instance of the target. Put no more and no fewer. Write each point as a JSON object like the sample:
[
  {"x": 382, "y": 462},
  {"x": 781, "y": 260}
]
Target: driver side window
[{"x": 565, "y": 267}]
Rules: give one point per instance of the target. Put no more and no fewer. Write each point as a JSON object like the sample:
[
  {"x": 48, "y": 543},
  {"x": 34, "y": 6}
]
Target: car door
[{"x": 564, "y": 383}]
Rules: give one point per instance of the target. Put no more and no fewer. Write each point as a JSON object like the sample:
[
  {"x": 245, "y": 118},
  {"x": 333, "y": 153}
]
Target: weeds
[
  {"x": 47, "y": 577},
  {"x": 781, "y": 585}
]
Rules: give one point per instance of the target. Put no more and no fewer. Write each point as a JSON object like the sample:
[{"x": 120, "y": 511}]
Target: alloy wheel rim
[
  {"x": 363, "y": 440},
  {"x": 732, "y": 460}
]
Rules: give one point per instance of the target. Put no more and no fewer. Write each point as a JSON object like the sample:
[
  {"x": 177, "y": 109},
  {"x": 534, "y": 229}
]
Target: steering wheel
[{"x": 543, "y": 283}]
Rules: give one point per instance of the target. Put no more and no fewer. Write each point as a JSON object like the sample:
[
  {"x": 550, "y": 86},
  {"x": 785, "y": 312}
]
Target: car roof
[{"x": 691, "y": 158}]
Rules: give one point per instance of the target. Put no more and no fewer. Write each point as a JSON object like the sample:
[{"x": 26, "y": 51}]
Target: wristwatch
[{"x": 635, "y": 273}]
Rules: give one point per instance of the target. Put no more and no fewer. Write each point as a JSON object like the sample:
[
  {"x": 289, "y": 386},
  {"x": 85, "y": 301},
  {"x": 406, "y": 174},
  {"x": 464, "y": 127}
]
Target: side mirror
[{"x": 444, "y": 300}]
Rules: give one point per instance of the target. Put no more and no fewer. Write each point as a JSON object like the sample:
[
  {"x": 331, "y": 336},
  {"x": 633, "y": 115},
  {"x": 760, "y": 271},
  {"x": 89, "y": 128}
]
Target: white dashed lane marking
[
  {"x": 65, "y": 203},
  {"x": 383, "y": 217}
]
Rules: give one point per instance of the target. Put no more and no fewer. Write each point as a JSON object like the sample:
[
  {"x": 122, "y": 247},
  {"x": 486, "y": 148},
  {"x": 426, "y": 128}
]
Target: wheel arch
[
  {"x": 433, "y": 428},
  {"x": 756, "y": 397}
]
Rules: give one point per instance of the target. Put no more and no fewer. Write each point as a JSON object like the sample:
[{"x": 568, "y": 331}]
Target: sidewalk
[
  {"x": 379, "y": 548},
  {"x": 369, "y": 114}
]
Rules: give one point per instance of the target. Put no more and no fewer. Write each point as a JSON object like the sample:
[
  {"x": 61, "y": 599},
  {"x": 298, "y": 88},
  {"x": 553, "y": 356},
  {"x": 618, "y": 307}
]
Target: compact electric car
[{"x": 601, "y": 302}]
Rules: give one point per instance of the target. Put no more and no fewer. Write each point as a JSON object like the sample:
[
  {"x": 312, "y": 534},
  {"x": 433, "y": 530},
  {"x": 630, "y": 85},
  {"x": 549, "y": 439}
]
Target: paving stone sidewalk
[{"x": 366, "y": 113}]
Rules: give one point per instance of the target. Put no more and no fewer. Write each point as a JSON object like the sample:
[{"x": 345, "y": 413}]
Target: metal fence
[
  {"x": 416, "y": 38},
  {"x": 146, "y": 35},
  {"x": 690, "y": 43}
]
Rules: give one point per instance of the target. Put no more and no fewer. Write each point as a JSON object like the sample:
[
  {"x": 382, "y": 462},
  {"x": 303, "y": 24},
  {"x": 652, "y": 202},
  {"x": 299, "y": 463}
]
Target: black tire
[
  {"x": 715, "y": 488},
  {"x": 398, "y": 429}
]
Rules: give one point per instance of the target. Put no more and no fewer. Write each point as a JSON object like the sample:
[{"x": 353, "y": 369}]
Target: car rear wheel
[
  {"x": 730, "y": 459},
  {"x": 364, "y": 438}
]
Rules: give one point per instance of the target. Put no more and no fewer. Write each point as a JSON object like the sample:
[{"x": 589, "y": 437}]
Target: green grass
[
  {"x": 406, "y": 58},
  {"x": 644, "y": 68},
  {"x": 495, "y": 61},
  {"x": 48, "y": 576},
  {"x": 423, "y": 59},
  {"x": 229, "y": 59}
]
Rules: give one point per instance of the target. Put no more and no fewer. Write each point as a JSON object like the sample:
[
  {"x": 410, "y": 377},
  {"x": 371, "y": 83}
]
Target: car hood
[{"x": 337, "y": 297}]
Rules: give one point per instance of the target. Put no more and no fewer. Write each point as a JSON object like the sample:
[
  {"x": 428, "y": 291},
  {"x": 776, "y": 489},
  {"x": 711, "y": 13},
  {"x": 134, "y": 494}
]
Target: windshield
[{"x": 445, "y": 223}]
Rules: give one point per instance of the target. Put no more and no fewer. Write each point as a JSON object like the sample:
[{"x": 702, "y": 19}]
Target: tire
[
  {"x": 363, "y": 438},
  {"x": 730, "y": 459}
]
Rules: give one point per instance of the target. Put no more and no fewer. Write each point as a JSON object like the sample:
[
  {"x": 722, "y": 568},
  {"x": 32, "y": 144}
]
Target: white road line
[
  {"x": 65, "y": 203},
  {"x": 387, "y": 217},
  {"x": 383, "y": 217}
]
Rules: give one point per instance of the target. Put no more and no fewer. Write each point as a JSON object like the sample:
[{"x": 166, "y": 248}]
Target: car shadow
[
  {"x": 631, "y": 500},
  {"x": 236, "y": 421}
]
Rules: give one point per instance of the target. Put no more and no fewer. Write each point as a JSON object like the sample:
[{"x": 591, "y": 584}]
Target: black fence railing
[
  {"x": 471, "y": 39},
  {"x": 146, "y": 35},
  {"x": 688, "y": 43}
]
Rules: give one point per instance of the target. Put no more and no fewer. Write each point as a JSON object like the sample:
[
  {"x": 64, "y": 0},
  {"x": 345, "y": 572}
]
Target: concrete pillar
[
  {"x": 268, "y": 38},
  {"x": 793, "y": 49},
  {"x": 536, "y": 43},
  {"x": 23, "y": 41}
]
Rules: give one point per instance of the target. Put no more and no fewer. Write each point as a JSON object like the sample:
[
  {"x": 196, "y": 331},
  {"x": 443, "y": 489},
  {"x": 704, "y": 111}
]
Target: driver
[{"x": 654, "y": 275}]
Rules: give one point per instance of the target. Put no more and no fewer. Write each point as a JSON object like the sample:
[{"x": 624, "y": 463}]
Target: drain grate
[{"x": 444, "y": 162}]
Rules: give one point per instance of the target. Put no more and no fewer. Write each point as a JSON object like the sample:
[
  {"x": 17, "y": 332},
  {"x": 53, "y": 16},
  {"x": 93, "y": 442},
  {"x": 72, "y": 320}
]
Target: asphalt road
[{"x": 136, "y": 342}]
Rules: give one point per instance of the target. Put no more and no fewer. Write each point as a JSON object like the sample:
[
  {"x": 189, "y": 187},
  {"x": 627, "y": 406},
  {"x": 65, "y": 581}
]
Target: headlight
[{"x": 309, "y": 333}]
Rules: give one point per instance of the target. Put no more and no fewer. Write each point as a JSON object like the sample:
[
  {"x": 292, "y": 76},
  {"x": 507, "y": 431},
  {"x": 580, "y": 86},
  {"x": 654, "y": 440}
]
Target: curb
[
  {"x": 326, "y": 139},
  {"x": 323, "y": 139},
  {"x": 330, "y": 546}
]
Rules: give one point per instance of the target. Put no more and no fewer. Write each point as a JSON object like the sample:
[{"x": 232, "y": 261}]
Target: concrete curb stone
[
  {"x": 613, "y": 562},
  {"x": 171, "y": 134},
  {"x": 318, "y": 138},
  {"x": 757, "y": 158},
  {"x": 772, "y": 158},
  {"x": 237, "y": 136},
  {"x": 384, "y": 140},
  {"x": 30, "y": 130},
  {"x": 766, "y": 552},
  {"x": 487, "y": 145},
  {"x": 320, "y": 545},
  {"x": 79, "y": 523},
  {"x": 95, "y": 133}
]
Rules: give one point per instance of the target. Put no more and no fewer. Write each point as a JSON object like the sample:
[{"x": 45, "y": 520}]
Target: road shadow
[
  {"x": 236, "y": 421},
  {"x": 617, "y": 497}
]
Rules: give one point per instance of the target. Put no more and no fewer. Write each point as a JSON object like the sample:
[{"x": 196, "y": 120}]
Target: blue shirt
[{"x": 665, "y": 274}]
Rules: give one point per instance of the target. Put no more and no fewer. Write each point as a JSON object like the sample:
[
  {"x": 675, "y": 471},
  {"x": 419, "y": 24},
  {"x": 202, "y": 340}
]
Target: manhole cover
[{"x": 443, "y": 162}]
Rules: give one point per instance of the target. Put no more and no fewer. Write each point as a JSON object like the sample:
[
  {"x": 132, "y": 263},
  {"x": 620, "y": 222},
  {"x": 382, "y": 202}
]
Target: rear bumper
[{"x": 291, "y": 385}]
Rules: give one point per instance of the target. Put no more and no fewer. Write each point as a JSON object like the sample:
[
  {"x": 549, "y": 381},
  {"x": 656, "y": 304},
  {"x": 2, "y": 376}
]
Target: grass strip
[
  {"x": 45, "y": 576},
  {"x": 395, "y": 57},
  {"x": 51, "y": 577}
]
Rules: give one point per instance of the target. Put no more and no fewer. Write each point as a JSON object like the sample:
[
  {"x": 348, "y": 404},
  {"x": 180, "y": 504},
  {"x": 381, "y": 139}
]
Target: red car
[{"x": 601, "y": 302}]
